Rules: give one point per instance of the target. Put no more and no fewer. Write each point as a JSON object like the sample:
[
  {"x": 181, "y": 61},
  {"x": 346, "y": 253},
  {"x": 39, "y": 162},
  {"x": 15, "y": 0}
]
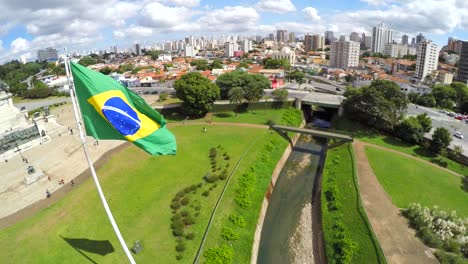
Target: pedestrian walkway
[{"x": 397, "y": 239}]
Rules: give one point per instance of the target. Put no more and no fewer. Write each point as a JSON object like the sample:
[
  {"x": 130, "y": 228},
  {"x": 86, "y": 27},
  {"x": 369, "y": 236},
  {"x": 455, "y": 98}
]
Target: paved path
[{"x": 397, "y": 239}]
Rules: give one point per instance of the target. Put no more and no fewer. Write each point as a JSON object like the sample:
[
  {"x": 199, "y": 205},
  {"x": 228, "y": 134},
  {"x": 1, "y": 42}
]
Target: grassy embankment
[{"x": 345, "y": 224}]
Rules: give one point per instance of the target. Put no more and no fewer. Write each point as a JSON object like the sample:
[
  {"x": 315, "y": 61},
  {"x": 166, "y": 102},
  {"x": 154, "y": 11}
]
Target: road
[
  {"x": 32, "y": 105},
  {"x": 442, "y": 120}
]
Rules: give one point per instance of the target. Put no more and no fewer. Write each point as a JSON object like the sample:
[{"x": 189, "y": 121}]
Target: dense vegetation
[
  {"x": 441, "y": 230},
  {"x": 250, "y": 86},
  {"x": 14, "y": 73},
  {"x": 197, "y": 94},
  {"x": 231, "y": 235},
  {"x": 453, "y": 97},
  {"x": 348, "y": 235}
]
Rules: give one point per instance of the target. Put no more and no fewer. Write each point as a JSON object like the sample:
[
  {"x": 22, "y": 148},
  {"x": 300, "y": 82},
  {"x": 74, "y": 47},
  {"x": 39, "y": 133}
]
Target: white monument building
[{"x": 17, "y": 132}]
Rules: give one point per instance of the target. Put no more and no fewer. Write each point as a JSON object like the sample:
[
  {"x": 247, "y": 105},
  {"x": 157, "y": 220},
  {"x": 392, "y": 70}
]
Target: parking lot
[{"x": 443, "y": 120}]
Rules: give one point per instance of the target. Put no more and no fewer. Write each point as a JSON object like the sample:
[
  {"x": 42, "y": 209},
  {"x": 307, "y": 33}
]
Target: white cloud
[
  {"x": 19, "y": 45},
  {"x": 311, "y": 13},
  {"x": 229, "y": 19},
  {"x": 186, "y": 3},
  {"x": 133, "y": 32},
  {"x": 276, "y": 6},
  {"x": 375, "y": 2},
  {"x": 162, "y": 17},
  {"x": 1, "y": 45}
]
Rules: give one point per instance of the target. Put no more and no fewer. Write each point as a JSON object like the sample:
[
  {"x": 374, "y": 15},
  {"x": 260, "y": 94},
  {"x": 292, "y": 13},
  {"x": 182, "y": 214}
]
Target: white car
[{"x": 458, "y": 135}]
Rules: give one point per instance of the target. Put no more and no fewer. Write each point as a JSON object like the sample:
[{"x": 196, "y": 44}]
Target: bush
[
  {"x": 464, "y": 249},
  {"x": 185, "y": 213},
  {"x": 163, "y": 97},
  {"x": 229, "y": 234},
  {"x": 190, "y": 236},
  {"x": 446, "y": 258},
  {"x": 180, "y": 246},
  {"x": 185, "y": 201},
  {"x": 175, "y": 205},
  {"x": 237, "y": 220},
  {"x": 465, "y": 183},
  {"x": 180, "y": 194},
  {"x": 188, "y": 220},
  {"x": 346, "y": 248},
  {"x": 219, "y": 255},
  {"x": 179, "y": 257},
  {"x": 206, "y": 193},
  {"x": 179, "y": 231}
]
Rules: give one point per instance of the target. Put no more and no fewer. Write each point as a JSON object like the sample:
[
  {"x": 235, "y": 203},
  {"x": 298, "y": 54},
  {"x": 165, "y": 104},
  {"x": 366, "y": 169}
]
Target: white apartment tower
[
  {"x": 189, "y": 51},
  {"x": 313, "y": 42},
  {"x": 395, "y": 50},
  {"x": 427, "y": 59},
  {"x": 381, "y": 36},
  {"x": 246, "y": 45},
  {"x": 229, "y": 49},
  {"x": 344, "y": 54}
]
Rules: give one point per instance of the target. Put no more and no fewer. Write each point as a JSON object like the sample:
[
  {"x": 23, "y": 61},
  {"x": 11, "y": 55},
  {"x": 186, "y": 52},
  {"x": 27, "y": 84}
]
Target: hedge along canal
[{"x": 286, "y": 234}]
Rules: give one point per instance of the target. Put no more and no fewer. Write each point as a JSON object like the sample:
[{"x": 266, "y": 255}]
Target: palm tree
[{"x": 236, "y": 95}]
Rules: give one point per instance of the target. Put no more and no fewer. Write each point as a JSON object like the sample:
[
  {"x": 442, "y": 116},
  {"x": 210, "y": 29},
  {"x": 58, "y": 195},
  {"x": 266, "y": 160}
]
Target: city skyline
[{"x": 27, "y": 27}]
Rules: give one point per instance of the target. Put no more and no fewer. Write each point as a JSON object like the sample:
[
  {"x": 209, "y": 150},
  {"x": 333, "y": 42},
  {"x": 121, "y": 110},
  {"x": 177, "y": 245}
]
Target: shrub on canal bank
[{"x": 348, "y": 234}]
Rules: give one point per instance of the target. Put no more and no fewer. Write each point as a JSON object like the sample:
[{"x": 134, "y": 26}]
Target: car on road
[{"x": 458, "y": 135}]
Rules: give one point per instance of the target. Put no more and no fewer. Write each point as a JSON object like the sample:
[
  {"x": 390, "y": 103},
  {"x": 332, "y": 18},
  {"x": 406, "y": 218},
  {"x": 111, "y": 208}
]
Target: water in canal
[{"x": 293, "y": 190}]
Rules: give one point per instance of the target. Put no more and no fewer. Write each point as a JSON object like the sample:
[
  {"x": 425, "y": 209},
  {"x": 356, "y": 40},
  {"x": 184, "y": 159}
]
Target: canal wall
[{"x": 266, "y": 198}]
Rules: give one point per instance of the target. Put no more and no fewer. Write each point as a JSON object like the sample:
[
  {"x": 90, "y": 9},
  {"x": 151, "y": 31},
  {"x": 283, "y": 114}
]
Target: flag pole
[{"x": 90, "y": 163}]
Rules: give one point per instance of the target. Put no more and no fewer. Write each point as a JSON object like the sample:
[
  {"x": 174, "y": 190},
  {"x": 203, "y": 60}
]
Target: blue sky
[{"x": 79, "y": 25}]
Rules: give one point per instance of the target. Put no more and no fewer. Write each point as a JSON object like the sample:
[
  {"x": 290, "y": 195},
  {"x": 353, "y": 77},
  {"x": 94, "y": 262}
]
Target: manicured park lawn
[
  {"x": 369, "y": 135},
  {"x": 408, "y": 181},
  {"x": 339, "y": 173},
  {"x": 139, "y": 189}
]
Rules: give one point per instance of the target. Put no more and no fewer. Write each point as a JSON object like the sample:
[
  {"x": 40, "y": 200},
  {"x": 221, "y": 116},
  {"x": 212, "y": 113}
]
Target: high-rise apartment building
[
  {"x": 47, "y": 54},
  {"x": 462, "y": 75},
  {"x": 313, "y": 42},
  {"x": 427, "y": 59},
  {"x": 404, "y": 39},
  {"x": 344, "y": 54},
  {"x": 381, "y": 36},
  {"x": 395, "y": 50},
  {"x": 329, "y": 38},
  {"x": 368, "y": 42},
  {"x": 137, "y": 49},
  {"x": 292, "y": 37},
  {"x": 246, "y": 45},
  {"x": 282, "y": 36},
  {"x": 454, "y": 45},
  {"x": 413, "y": 42},
  {"x": 229, "y": 49},
  {"x": 189, "y": 51},
  {"x": 271, "y": 36},
  {"x": 354, "y": 36},
  {"x": 420, "y": 38}
]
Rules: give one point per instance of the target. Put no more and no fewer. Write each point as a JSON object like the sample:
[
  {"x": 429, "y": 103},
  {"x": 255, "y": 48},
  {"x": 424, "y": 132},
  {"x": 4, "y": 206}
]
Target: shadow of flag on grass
[{"x": 101, "y": 247}]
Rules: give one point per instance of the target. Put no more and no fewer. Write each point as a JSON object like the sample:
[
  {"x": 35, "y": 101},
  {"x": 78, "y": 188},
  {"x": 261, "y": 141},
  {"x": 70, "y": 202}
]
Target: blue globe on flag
[{"x": 121, "y": 116}]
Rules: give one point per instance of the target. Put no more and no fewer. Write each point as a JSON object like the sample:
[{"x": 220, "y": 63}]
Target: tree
[
  {"x": 413, "y": 97},
  {"x": 236, "y": 95},
  {"x": 381, "y": 105},
  {"x": 201, "y": 65},
  {"x": 105, "y": 70},
  {"x": 426, "y": 100},
  {"x": 154, "y": 54},
  {"x": 409, "y": 57},
  {"x": 425, "y": 121},
  {"x": 227, "y": 81},
  {"x": 255, "y": 84},
  {"x": 216, "y": 64},
  {"x": 87, "y": 60},
  {"x": 461, "y": 91},
  {"x": 297, "y": 76},
  {"x": 244, "y": 65},
  {"x": 444, "y": 95},
  {"x": 276, "y": 63},
  {"x": 441, "y": 139},
  {"x": 280, "y": 95},
  {"x": 197, "y": 93},
  {"x": 410, "y": 130}
]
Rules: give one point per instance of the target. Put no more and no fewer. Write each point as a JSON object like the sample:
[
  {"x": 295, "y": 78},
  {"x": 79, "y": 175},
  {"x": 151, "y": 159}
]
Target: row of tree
[
  {"x": 198, "y": 93},
  {"x": 383, "y": 106},
  {"x": 453, "y": 97}
]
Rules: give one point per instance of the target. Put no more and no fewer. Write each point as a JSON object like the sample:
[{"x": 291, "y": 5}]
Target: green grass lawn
[
  {"x": 139, "y": 189},
  {"x": 369, "y": 135},
  {"x": 167, "y": 101},
  {"x": 408, "y": 181},
  {"x": 339, "y": 173},
  {"x": 18, "y": 99}
]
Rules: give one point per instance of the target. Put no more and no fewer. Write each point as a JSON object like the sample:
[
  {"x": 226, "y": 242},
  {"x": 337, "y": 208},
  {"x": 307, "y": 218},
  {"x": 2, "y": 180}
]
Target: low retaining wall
[{"x": 266, "y": 198}]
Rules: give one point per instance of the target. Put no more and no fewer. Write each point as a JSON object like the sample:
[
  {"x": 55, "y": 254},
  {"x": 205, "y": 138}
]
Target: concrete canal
[{"x": 292, "y": 216}]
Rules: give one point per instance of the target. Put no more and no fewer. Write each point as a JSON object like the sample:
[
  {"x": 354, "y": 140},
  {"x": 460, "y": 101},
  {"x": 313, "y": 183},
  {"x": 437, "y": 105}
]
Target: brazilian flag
[{"x": 111, "y": 111}]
